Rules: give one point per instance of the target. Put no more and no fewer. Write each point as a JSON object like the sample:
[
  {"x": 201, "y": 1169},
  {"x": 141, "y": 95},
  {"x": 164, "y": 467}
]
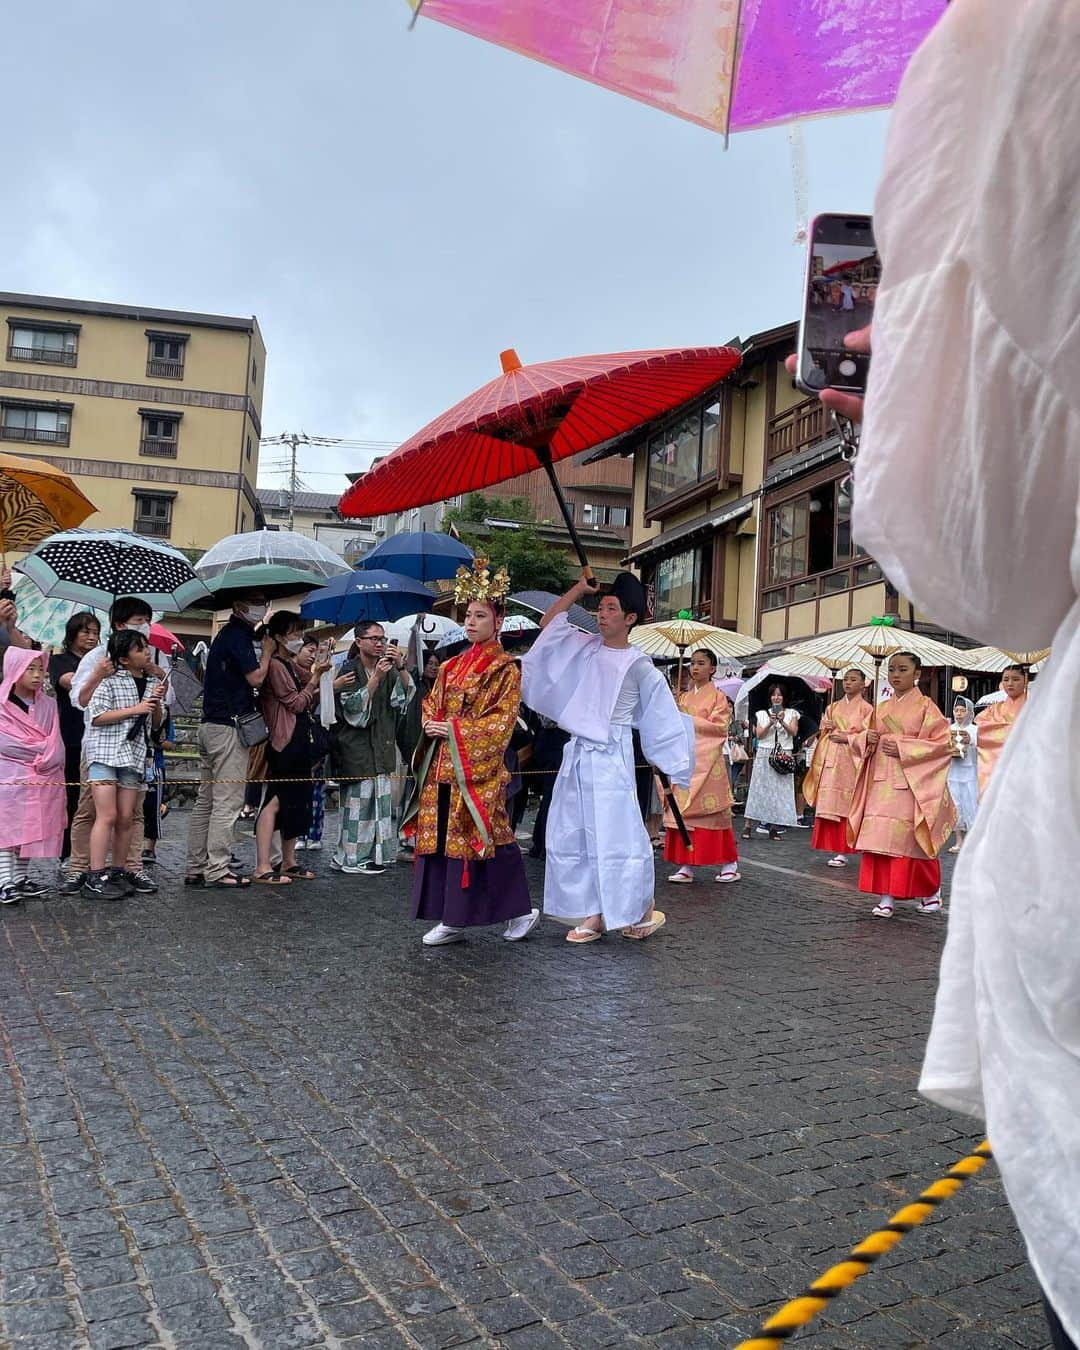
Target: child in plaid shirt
[{"x": 121, "y": 715}]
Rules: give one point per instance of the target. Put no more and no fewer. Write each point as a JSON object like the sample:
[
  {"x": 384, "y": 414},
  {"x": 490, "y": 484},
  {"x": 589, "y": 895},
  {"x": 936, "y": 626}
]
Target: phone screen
[{"x": 842, "y": 277}]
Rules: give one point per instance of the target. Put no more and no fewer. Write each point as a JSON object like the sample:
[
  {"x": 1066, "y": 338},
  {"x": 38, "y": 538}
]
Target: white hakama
[{"x": 599, "y": 858}]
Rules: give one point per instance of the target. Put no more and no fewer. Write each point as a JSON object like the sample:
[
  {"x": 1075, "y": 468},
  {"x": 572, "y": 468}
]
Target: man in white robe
[
  {"x": 967, "y": 490},
  {"x": 600, "y": 871}
]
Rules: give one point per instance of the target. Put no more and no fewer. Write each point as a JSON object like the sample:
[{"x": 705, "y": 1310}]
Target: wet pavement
[{"x": 275, "y": 1120}]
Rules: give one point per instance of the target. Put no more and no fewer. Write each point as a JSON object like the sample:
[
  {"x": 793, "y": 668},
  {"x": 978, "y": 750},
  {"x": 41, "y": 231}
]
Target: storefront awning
[{"x": 691, "y": 529}]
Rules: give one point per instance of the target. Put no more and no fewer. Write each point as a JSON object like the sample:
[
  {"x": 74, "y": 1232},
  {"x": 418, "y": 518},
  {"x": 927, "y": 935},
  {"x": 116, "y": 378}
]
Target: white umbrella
[
  {"x": 670, "y": 638},
  {"x": 998, "y": 696},
  {"x": 432, "y": 627},
  {"x": 270, "y": 548},
  {"x": 993, "y": 660},
  {"x": 793, "y": 663},
  {"x": 877, "y": 642}
]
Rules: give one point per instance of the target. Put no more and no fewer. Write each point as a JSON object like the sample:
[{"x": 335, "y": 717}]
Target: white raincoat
[
  {"x": 966, "y": 491},
  {"x": 599, "y": 858}
]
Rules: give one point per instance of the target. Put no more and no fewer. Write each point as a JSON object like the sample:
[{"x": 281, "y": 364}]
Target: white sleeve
[{"x": 968, "y": 479}]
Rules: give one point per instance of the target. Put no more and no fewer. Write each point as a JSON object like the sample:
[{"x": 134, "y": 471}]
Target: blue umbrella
[
  {"x": 367, "y": 594},
  {"x": 427, "y": 555}
]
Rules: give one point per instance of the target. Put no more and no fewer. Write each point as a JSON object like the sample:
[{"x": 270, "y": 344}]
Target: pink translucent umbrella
[{"x": 729, "y": 65}]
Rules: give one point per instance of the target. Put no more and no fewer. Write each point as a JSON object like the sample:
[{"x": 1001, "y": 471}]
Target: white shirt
[
  {"x": 88, "y": 663},
  {"x": 967, "y": 488}
]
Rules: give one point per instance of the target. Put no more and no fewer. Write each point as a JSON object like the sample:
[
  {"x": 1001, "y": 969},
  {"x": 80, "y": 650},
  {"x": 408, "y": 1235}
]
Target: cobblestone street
[{"x": 275, "y": 1120}]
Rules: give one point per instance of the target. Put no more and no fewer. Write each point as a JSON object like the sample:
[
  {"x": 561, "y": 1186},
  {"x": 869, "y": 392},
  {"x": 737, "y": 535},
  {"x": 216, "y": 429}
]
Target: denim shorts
[{"x": 123, "y": 777}]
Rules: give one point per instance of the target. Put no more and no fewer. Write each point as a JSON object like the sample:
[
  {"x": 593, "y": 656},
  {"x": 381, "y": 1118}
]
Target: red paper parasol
[{"x": 533, "y": 416}]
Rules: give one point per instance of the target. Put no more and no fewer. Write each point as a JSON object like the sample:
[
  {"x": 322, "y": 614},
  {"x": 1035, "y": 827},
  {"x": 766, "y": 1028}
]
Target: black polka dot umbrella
[{"x": 93, "y": 567}]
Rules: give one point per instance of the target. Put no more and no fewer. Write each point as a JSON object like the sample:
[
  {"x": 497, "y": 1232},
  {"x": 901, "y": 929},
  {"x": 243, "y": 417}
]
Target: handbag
[
  {"x": 780, "y": 760},
  {"x": 251, "y": 728},
  {"x": 737, "y": 752}
]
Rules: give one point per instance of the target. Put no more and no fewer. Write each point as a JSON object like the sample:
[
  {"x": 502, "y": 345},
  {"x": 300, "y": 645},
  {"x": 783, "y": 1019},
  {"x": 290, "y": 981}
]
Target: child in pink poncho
[{"x": 31, "y": 774}]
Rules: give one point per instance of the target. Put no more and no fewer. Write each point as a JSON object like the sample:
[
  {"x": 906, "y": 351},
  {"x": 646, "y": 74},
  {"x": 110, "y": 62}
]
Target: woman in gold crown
[{"x": 469, "y": 870}]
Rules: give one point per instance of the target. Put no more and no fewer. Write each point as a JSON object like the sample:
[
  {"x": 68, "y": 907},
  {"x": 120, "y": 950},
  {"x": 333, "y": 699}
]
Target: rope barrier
[{"x": 799, "y": 1311}]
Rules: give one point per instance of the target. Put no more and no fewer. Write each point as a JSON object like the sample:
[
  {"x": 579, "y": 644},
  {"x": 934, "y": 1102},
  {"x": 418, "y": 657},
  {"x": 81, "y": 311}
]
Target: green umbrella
[{"x": 271, "y": 579}]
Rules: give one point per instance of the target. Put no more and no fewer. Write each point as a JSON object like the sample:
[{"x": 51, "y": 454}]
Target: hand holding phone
[{"x": 843, "y": 272}]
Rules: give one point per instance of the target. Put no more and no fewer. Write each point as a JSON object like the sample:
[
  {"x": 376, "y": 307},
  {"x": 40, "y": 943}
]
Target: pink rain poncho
[{"x": 32, "y": 797}]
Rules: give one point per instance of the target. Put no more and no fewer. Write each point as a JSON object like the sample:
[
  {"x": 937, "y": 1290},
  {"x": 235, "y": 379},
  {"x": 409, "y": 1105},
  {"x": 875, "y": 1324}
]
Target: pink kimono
[
  {"x": 995, "y": 723},
  {"x": 829, "y": 785},
  {"x": 901, "y": 810},
  {"x": 32, "y": 796}
]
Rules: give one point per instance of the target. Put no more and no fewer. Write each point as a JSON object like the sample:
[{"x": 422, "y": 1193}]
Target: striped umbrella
[
  {"x": 36, "y": 500},
  {"x": 530, "y": 418}
]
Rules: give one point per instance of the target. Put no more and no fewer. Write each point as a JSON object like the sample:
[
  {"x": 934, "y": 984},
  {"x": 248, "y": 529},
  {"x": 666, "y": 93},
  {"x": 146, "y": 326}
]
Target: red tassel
[{"x": 465, "y": 875}]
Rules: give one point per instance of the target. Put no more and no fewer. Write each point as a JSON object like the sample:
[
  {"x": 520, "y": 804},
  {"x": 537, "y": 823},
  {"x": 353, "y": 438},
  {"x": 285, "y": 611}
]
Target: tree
[{"x": 533, "y": 564}]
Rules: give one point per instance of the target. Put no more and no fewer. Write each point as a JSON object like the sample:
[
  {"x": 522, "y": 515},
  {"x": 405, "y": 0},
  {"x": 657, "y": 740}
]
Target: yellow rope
[{"x": 799, "y": 1311}]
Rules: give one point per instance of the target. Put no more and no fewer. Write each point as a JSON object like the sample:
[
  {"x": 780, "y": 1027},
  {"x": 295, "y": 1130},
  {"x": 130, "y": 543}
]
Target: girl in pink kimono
[
  {"x": 901, "y": 811},
  {"x": 32, "y": 800},
  {"x": 830, "y": 783}
]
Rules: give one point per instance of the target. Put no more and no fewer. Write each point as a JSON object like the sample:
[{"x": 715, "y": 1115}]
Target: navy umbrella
[
  {"x": 367, "y": 593},
  {"x": 427, "y": 555}
]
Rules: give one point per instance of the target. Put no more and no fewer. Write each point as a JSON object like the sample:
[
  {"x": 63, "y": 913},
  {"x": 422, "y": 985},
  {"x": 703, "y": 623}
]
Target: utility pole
[{"x": 292, "y": 440}]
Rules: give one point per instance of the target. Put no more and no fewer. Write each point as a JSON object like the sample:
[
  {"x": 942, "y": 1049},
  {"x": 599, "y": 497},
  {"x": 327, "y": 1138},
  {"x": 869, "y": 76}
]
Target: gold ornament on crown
[{"x": 480, "y": 583}]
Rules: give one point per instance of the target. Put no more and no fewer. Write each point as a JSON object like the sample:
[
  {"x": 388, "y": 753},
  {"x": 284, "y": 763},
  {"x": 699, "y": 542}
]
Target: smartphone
[{"x": 843, "y": 272}]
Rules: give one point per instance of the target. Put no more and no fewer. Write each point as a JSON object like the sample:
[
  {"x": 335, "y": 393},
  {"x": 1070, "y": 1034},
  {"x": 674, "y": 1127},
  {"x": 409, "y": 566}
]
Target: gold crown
[{"x": 478, "y": 583}]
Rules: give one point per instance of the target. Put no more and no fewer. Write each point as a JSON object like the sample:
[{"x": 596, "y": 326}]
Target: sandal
[
  {"x": 729, "y": 876},
  {"x": 195, "y": 879},
  {"x": 229, "y": 882},
  {"x": 298, "y": 873},
  {"x": 271, "y": 879},
  {"x": 837, "y": 862},
  {"x": 931, "y": 905},
  {"x": 747, "y": 834},
  {"x": 680, "y": 879},
  {"x": 640, "y": 931},
  {"x": 579, "y": 936}
]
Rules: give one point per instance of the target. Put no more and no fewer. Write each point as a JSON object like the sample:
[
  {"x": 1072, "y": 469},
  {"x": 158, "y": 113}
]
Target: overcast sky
[{"x": 395, "y": 207}]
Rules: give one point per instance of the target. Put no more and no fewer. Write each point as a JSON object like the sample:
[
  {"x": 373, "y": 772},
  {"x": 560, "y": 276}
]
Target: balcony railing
[
  {"x": 40, "y": 435},
  {"x": 797, "y": 429},
  {"x": 160, "y": 528},
  {"x": 47, "y": 356},
  {"x": 165, "y": 370},
  {"x": 152, "y": 445},
  {"x": 863, "y": 571}
]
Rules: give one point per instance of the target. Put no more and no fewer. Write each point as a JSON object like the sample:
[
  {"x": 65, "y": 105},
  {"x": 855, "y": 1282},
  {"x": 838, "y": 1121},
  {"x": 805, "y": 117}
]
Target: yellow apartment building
[
  {"x": 741, "y": 511},
  {"x": 154, "y": 412}
]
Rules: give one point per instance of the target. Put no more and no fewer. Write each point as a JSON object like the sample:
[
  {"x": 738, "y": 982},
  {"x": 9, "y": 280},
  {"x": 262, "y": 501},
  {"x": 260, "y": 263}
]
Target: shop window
[{"x": 683, "y": 581}]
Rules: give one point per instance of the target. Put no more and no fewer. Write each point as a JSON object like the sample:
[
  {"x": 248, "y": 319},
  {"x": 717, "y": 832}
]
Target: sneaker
[
  {"x": 312, "y": 845},
  {"x": 30, "y": 889},
  {"x": 441, "y": 934},
  {"x": 762, "y": 829},
  {"x": 100, "y": 886},
  {"x": 10, "y": 896},
  {"x": 141, "y": 881},
  {"x": 300, "y": 845},
  {"x": 369, "y": 869},
  {"x": 351, "y": 869},
  {"x": 72, "y": 882},
  {"x": 120, "y": 879},
  {"x": 516, "y": 929},
  {"x": 149, "y": 858}
]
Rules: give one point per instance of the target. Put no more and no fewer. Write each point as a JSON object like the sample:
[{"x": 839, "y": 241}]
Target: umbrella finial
[
  {"x": 685, "y": 614},
  {"x": 510, "y": 361}
]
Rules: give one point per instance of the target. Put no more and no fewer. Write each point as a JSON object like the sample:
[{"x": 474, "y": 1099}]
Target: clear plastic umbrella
[{"x": 270, "y": 548}]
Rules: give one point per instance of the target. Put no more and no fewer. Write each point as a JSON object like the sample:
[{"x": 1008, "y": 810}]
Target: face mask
[
  {"x": 143, "y": 628},
  {"x": 294, "y": 645},
  {"x": 253, "y": 614}
]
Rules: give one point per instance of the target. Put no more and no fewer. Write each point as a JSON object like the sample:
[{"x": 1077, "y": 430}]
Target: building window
[
  {"x": 42, "y": 425},
  {"x": 710, "y": 441},
  {"x": 595, "y": 513},
  {"x": 683, "y": 581},
  {"x": 160, "y": 435},
  {"x": 254, "y": 372},
  {"x": 247, "y": 452},
  {"x": 48, "y": 345},
  {"x": 165, "y": 355},
  {"x": 810, "y": 551},
  {"x": 153, "y": 514}
]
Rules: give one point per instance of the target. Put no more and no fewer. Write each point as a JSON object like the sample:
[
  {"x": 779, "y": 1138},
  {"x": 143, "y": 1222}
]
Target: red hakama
[
  {"x": 830, "y": 836},
  {"x": 712, "y": 848},
  {"x": 902, "y": 878}
]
